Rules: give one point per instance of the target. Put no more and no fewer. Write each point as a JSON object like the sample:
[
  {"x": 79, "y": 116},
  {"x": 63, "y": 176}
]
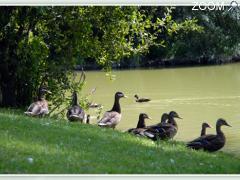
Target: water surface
[{"x": 198, "y": 94}]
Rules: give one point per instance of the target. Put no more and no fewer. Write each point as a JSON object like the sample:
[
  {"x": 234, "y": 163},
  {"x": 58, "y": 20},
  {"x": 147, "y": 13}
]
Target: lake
[{"x": 198, "y": 94}]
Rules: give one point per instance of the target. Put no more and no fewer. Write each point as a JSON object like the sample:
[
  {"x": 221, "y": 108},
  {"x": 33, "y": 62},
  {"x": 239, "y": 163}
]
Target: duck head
[
  {"x": 136, "y": 96},
  {"x": 44, "y": 90},
  {"x": 119, "y": 95},
  {"x": 174, "y": 114},
  {"x": 206, "y": 125},
  {"x": 144, "y": 116},
  {"x": 222, "y": 122},
  {"x": 164, "y": 118}
]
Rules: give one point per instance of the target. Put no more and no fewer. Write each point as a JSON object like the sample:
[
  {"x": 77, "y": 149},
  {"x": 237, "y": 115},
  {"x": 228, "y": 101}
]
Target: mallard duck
[
  {"x": 75, "y": 112},
  {"x": 139, "y": 130},
  {"x": 164, "y": 119},
  {"x": 40, "y": 107},
  {"x": 204, "y": 127},
  {"x": 113, "y": 117},
  {"x": 164, "y": 130},
  {"x": 210, "y": 142},
  {"x": 141, "y": 99},
  {"x": 88, "y": 119}
]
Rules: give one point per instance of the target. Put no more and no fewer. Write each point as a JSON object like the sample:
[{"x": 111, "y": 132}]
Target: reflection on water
[{"x": 198, "y": 94}]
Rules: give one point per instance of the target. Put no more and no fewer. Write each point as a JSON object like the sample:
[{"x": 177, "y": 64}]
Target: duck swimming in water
[
  {"x": 164, "y": 130},
  {"x": 40, "y": 107},
  {"x": 113, "y": 117},
  {"x": 75, "y": 112},
  {"x": 139, "y": 130},
  {"x": 210, "y": 142},
  {"x": 141, "y": 99}
]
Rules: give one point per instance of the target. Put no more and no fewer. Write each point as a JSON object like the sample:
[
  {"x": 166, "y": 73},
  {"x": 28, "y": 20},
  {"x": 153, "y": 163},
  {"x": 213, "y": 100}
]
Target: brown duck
[
  {"x": 39, "y": 107},
  {"x": 164, "y": 130},
  {"x": 75, "y": 112},
  {"x": 204, "y": 127},
  {"x": 141, "y": 126},
  {"x": 113, "y": 117},
  {"x": 141, "y": 99},
  {"x": 210, "y": 142}
]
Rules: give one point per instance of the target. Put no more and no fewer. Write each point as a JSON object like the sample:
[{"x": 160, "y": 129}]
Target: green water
[{"x": 198, "y": 94}]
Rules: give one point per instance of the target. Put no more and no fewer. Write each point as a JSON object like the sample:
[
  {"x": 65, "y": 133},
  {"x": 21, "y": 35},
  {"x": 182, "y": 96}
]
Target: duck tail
[{"x": 28, "y": 113}]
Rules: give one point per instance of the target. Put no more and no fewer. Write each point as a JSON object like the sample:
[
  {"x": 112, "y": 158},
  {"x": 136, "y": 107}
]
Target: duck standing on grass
[
  {"x": 140, "y": 100},
  {"x": 141, "y": 126},
  {"x": 113, "y": 117},
  {"x": 40, "y": 107},
  {"x": 75, "y": 112},
  {"x": 210, "y": 142},
  {"x": 164, "y": 130}
]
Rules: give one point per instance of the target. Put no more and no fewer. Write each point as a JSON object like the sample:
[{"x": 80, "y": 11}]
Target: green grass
[{"x": 57, "y": 146}]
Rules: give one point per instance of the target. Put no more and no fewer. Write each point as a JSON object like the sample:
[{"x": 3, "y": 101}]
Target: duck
[
  {"x": 204, "y": 127},
  {"x": 88, "y": 119},
  {"x": 112, "y": 117},
  {"x": 75, "y": 112},
  {"x": 141, "y": 99},
  {"x": 210, "y": 142},
  {"x": 40, "y": 106},
  {"x": 141, "y": 126},
  {"x": 164, "y": 119},
  {"x": 164, "y": 131}
]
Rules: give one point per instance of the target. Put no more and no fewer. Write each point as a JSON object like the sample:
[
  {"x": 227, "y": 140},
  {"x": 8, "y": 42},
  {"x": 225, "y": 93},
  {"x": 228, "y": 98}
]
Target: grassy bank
[{"x": 31, "y": 145}]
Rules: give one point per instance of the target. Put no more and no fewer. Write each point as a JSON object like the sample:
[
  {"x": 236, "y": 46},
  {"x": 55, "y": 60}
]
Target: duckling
[
  {"x": 204, "y": 127},
  {"x": 75, "y": 112},
  {"x": 210, "y": 142},
  {"x": 113, "y": 117},
  {"x": 40, "y": 107},
  {"x": 139, "y": 130},
  {"x": 88, "y": 119},
  {"x": 141, "y": 99},
  {"x": 164, "y": 130}
]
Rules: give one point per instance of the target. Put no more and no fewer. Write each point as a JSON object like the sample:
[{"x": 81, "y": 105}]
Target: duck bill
[
  {"x": 228, "y": 125},
  {"x": 149, "y": 118},
  {"x": 125, "y": 96},
  {"x": 179, "y": 117}
]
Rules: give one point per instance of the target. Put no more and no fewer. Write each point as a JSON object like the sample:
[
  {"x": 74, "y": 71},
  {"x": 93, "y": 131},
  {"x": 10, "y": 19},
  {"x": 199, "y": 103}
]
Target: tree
[{"x": 42, "y": 44}]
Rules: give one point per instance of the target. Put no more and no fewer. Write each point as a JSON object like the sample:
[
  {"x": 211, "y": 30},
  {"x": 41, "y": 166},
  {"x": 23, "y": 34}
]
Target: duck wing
[
  {"x": 34, "y": 109},
  {"x": 110, "y": 119},
  {"x": 202, "y": 142}
]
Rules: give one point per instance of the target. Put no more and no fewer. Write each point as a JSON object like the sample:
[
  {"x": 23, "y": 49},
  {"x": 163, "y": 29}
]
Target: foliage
[
  {"x": 41, "y": 45},
  {"x": 87, "y": 149}
]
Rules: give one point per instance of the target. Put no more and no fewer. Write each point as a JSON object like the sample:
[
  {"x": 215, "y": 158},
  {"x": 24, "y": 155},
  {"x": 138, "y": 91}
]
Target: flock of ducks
[{"x": 166, "y": 129}]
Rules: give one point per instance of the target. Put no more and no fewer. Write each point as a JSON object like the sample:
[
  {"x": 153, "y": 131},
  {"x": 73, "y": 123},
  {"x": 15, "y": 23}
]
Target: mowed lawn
[{"x": 34, "y": 145}]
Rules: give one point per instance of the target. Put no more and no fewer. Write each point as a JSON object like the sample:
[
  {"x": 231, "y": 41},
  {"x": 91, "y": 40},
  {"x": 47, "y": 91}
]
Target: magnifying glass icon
[{"x": 233, "y": 5}]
